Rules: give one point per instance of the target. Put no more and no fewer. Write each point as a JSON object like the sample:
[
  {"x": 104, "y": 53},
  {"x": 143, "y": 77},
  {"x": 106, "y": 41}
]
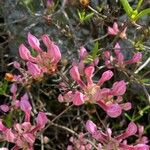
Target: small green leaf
[
  {"x": 8, "y": 121},
  {"x": 143, "y": 13},
  {"x": 128, "y": 9},
  {"x": 139, "y": 5},
  {"x": 87, "y": 17},
  {"x": 3, "y": 87},
  {"x": 95, "y": 50}
]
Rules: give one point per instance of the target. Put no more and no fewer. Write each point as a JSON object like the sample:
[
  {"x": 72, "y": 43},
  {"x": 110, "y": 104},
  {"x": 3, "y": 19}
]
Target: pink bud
[
  {"x": 74, "y": 73},
  {"x": 117, "y": 46},
  {"x": 114, "y": 110},
  {"x": 126, "y": 106},
  {"x": 34, "y": 42},
  {"x": 13, "y": 88},
  {"x": 83, "y": 53},
  {"x": 4, "y": 148},
  {"x": 107, "y": 54},
  {"x": 60, "y": 98},
  {"x": 16, "y": 65},
  {"x": 131, "y": 129},
  {"x": 25, "y": 53},
  {"x": 137, "y": 57},
  {"x": 78, "y": 98},
  {"x": 107, "y": 75},
  {"x": 41, "y": 120},
  {"x": 91, "y": 127},
  {"x": 34, "y": 70},
  {"x": 115, "y": 27},
  {"x": 119, "y": 88},
  {"x": 4, "y": 108}
]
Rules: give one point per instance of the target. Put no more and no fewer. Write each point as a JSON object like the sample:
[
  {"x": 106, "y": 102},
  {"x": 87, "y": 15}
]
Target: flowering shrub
[{"x": 95, "y": 86}]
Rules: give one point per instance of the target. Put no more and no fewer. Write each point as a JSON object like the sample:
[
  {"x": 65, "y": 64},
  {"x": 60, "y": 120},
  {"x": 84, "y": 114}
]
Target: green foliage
[
  {"x": 83, "y": 16},
  {"x": 3, "y": 87},
  {"x": 134, "y": 15}
]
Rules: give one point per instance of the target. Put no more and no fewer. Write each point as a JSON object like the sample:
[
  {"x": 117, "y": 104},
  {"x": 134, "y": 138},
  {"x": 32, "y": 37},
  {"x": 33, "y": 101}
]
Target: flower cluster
[
  {"x": 119, "y": 60},
  {"x": 107, "y": 98},
  {"x": 22, "y": 134},
  {"x": 107, "y": 141},
  {"x": 43, "y": 62}
]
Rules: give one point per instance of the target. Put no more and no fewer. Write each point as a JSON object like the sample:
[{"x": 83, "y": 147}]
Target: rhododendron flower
[
  {"x": 106, "y": 140},
  {"x": 43, "y": 62},
  {"x": 114, "y": 30}
]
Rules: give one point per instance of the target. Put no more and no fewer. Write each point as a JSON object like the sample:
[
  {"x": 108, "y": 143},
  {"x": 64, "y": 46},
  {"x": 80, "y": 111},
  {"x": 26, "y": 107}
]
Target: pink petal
[
  {"x": 41, "y": 120},
  {"x": 74, "y": 73},
  {"x": 53, "y": 49},
  {"x": 4, "y": 108},
  {"x": 111, "y": 31},
  {"x": 91, "y": 127},
  {"x": 107, "y": 75},
  {"x": 83, "y": 53},
  {"x": 34, "y": 70},
  {"x": 34, "y": 42},
  {"x": 119, "y": 88},
  {"x": 89, "y": 74},
  {"x": 131, "y": 129},
  {"x": 115, "y": 27},
  {"x": 25, "y": 53},
  {"x": 78, "y": 99},
  {"x": 30, "y": 138},
  {"x": 114, "y": 110}
]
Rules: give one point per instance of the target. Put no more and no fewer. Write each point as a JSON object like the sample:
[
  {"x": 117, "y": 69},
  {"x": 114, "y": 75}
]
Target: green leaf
[
  {"x": 8, "y": 120},
  {"x": 87, "y": 17},
  {"x": 143, "y": 13},
  {"x": 95, "y": 50},
  {"x": 128, "y": 9},
  {"x": 139, "y": 5},
  {"x": 3, "y": 87}
]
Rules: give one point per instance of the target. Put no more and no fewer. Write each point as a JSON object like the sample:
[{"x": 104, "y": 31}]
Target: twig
[
  {"x": 42, "y": 142},
  {"x": 142, "y": 66}
]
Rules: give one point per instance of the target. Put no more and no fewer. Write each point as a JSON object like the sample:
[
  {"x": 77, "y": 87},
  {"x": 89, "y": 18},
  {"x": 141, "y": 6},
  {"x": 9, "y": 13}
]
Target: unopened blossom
[
  {"x": 114, "y": 30},
  {"x": 106, "y": 140}
]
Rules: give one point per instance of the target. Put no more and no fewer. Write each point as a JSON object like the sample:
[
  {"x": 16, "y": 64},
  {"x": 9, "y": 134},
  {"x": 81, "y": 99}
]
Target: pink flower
[
  {"x": 34, "y": 42},
  {"x": 113, "y": 30}
]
